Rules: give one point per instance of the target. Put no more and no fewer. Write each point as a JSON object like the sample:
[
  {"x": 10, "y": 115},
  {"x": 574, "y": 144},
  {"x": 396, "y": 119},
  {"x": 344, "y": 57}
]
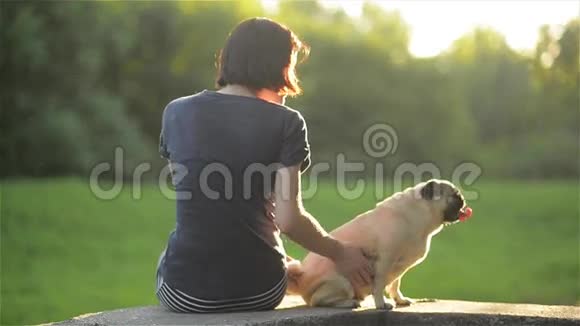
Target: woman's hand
[
  {"x": 351, "y": 262},
  {"x": 305, "y": 230}
]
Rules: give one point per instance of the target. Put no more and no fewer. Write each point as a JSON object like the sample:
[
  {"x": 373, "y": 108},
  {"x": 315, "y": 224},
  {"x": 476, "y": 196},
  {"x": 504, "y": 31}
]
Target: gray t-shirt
[{"x": 224, "y": 150}]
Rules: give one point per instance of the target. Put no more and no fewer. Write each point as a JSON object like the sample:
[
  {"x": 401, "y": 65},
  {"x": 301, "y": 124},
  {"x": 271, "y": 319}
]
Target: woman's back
[{"x": 224, "y": 151}]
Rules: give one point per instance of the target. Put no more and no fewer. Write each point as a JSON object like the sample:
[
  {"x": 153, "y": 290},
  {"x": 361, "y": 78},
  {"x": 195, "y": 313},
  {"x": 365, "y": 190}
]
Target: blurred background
[{"x": 494, "y": 83}]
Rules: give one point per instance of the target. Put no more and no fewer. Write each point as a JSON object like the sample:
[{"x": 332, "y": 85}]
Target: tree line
[{"x": 82, "y": 78}]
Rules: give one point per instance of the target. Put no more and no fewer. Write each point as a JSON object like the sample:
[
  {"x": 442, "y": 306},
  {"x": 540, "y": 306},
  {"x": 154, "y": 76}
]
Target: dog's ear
[{"x": 428, "y": 190}]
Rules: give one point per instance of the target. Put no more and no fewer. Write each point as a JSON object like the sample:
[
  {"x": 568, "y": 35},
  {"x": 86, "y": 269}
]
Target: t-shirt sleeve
[{"x": 295, "y": 147}]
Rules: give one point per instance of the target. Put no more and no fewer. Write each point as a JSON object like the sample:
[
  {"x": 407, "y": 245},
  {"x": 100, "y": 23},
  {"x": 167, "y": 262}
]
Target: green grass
[{"x": 64, "y": 252}]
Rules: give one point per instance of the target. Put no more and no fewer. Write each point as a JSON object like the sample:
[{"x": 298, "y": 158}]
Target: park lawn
[{"x": 65, "y": 252}]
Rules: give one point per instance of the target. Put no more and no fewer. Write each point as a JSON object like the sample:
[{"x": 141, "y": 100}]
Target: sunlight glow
[{"x": 436, "y": 24}]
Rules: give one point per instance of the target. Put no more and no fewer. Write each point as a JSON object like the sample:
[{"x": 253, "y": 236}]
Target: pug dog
[{"x": 395, "y": 235}]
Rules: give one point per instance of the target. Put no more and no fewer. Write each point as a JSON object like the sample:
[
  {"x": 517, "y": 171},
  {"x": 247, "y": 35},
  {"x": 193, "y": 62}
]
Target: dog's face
[{"x": 445, "y": 198}]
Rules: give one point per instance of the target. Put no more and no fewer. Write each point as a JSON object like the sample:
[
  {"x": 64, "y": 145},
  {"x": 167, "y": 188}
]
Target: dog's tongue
[{"x": 465, "y": 214}]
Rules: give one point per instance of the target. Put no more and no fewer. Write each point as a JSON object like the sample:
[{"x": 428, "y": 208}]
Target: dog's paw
[
  {"x": 384, "y": 305},
  {"x": 404, "y": 301}
]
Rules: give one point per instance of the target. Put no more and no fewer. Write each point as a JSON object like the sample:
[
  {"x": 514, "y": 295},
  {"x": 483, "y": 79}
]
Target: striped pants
[{"x": 177, "y": 301}]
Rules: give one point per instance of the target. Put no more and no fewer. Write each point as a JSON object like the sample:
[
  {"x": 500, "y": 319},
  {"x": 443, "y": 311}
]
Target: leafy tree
[{"x": 81, "y": 78}]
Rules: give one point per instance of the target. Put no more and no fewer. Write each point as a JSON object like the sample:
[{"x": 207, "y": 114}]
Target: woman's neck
[{"x": 264, "y": 94}]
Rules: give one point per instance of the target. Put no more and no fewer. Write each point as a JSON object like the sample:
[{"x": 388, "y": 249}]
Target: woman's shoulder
[
  {"x": 213, "y": 103},
  {"x": 207, "y": 97},
  {"x": 183, "y": 105},
  {"x": 183, "y": 101}
]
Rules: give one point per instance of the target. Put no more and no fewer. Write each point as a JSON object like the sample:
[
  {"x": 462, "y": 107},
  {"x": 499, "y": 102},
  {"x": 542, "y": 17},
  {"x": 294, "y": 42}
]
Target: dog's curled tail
[{"x": 294, "y": 273}]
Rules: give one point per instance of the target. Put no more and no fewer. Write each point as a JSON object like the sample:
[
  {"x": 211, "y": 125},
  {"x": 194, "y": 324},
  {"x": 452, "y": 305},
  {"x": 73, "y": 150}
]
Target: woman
[{"x": 224, "y": 147}]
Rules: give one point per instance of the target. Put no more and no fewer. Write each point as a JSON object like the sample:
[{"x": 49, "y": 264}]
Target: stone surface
[{"x": 293, "y": 312}]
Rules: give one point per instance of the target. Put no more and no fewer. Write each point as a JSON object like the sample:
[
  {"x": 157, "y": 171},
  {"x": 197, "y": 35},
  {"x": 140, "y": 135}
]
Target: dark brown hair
[{"x": 261, "y": 53}]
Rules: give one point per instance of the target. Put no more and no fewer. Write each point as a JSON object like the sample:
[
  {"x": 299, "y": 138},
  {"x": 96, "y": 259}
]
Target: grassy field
[{"x": 64, "y": 252}]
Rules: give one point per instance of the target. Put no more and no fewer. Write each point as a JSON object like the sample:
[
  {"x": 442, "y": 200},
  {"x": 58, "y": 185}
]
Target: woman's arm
[{"x": 294, "y": 221}]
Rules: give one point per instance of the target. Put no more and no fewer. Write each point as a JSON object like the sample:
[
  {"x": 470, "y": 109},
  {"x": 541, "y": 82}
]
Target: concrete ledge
[{"x": 292, "y": 312}]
